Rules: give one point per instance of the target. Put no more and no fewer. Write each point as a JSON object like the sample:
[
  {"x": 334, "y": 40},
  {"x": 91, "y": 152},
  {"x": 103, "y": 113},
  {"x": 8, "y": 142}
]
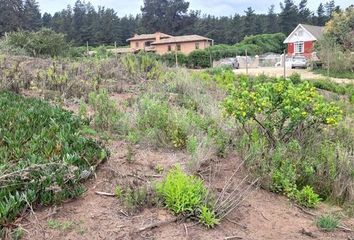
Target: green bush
[
  {"x": 199, "y": 59},
  {"x": 307, "y": 197},
  {"x": 106, "y": 114},
  {"x": 185, "y": 194},
  {"x": 43, "y": 154},
  {"x": 287, "y": 108},
  {"x": 45, "y": 42},
  {"x": 327, "y": 222},
  {"x": 182, "y": 193}
]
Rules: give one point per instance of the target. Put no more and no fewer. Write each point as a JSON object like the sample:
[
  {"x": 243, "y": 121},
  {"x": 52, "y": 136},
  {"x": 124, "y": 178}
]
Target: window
[
  {"x": 299, "y": 47},
  {"x": 169, "y": 48},
  {"x": 197, "y": 45},
  {"x": 137, "y": 44},
  {"x": 178, "y": 47},
  {"x": 148, "y": 43}
]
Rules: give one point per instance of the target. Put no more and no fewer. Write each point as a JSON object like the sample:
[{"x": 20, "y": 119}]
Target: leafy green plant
[
  {"x": 207, "y": 217},
  {"x": 118, "y": 191},
  {"x": 307, "y": 197},
  {"x": 327, "y": 222},
  {"x": 180, "y": 192}
]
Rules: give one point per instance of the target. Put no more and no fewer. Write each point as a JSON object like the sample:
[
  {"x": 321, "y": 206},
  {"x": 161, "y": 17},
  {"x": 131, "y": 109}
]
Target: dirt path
[{"x": 278, "y": 72}]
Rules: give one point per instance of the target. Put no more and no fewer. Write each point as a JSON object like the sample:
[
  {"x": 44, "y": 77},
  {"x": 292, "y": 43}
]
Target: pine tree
[
  {"x": 10, "y": 15},
  {"x": 288, "y": 18},
  {"x": 321, "y": 17},
  {"x": 249, "y": 26},
  {"x": 47, "y": 20},
  {"x": 330, "y": 8},
  {"x": 304, "y": 12},
  {"x": 272, "y": 25},
  {"x": 32, "y": 20}
]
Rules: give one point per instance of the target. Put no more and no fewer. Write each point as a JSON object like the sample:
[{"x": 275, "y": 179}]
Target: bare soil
[
  {"x": 279, "y": 72},
  {"x": 263, "y": 215}
]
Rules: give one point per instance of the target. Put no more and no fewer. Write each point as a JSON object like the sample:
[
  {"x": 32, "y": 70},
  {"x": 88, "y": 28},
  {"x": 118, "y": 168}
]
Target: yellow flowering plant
[{"x": 280, "y": 107}]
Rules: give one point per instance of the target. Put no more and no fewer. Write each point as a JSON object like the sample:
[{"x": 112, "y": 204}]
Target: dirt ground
[{"x": 279, "y": 72}]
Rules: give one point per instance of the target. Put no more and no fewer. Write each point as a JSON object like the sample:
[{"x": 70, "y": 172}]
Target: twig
[
  {"x": 186, "y": 229},
  {"x": 345, "y": 228},
  {"x": 264, "y": 216},
  {"x": 307, "y": 233},
  {"x": 236, "y": 223},
  {"x": 305, "y": 211},
  {"x": 158, "y": 224},
  {"x": 153, "y": 176},
  {"x": 124, "y": 213},
  {"x": 105, "y": 194},
  {"x": 233, "y": 237}
]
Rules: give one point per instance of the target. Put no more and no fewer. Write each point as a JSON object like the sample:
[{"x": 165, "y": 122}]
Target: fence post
[
  {"x": 87, "y": 48},
  {"x": 176, "y": 56},
  {"x": 246, "y": 62},
  {"x": 284, "y": 67}
]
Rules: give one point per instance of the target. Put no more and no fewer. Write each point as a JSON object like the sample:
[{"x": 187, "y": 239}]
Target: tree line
[{"x": 83, "y": 22}]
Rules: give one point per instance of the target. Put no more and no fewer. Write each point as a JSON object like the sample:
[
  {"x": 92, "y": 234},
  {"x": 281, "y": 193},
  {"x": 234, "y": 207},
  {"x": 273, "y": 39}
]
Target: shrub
[
  {"x": 135, "y": 198},
  {"x": 327, "y": 222},
  {"x": 106, "y": 113},
  {"x": 43, "y": 154},
  {"x": 280, "y": 108},
  {"x": 199, "y": 59},
  {"x": 180, "y": 192},
  {"x": 45, "y": 42},
  {"x": 307, "y": 197},
  {"x": 185, "y": 194}
]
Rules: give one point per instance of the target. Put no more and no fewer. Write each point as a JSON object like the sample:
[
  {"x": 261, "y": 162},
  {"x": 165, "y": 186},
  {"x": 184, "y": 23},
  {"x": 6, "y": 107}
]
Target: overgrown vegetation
[
  {"x": 44, "y": 155},
  {"x": 292, "y": 138},
  {"x": 327, "y": 222},
  {"x": 337, "y": 45}
]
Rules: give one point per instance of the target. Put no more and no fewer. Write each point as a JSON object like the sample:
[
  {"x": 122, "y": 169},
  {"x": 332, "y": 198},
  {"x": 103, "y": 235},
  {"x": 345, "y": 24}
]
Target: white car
[{"x": 299, "y": 62}]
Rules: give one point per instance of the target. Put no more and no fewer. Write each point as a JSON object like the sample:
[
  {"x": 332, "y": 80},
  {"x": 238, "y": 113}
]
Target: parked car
[
  {"x": 299, "y": 62},
  {"x": 232, "y": 62}
]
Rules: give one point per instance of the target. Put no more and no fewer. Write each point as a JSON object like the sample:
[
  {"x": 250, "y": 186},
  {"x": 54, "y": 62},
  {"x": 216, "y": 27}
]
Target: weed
[
  {"x": 207, "y": 217},
  {"x": 105, "y": 111},
  {"x": 130, "y": 157},
  {"x": 118, "y": 191},
  {"x": 180, "y": 192},
  {"x": 159, "y": 169},
  {"x": 136, "y": 198},
  {"x": 327, "y": 222},
  {"x": 60, "y": 225},
  {"x": 307, "y": 197}
]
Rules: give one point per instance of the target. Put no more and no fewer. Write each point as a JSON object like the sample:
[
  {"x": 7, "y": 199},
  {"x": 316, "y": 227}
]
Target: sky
[{"x": 213, "y": 7}]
